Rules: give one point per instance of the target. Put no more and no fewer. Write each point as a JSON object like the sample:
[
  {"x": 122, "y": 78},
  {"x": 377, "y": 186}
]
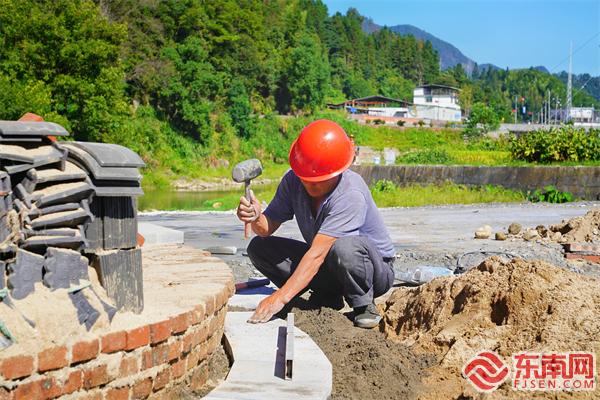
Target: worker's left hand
[{"x": 267, "y": 308}]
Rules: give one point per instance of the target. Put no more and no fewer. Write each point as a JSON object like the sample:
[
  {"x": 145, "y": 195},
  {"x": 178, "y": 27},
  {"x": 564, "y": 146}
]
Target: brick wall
[{"x": 148, "y": 361}]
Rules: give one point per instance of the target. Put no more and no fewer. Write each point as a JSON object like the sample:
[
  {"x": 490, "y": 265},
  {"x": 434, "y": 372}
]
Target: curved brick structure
[{"x": 149, "y": 355}]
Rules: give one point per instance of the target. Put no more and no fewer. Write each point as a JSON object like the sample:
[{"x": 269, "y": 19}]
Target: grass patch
[{"x": 389, "y": 195}]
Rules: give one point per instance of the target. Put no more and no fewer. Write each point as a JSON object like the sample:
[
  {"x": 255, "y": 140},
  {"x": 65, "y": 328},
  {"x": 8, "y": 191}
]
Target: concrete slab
[
  {"x": 249, "y": 298},
  {"x": 111, "y": 155},
  {"x": 27, "y": 128},
  {"x": 156, "y": 234},
  {"x": 258, "y": 363}
]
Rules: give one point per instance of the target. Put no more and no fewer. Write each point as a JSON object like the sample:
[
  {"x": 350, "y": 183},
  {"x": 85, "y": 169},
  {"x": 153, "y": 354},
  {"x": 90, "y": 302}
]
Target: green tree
[
  {"x": 307, "y": 75},
  {"x": 239, "y": 109},
  {"x": 64, "y": 57},
  {"x": 482, "y": 119}
]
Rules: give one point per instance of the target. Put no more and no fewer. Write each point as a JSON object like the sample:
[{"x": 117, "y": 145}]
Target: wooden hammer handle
[{"x": 248, "y": 225}]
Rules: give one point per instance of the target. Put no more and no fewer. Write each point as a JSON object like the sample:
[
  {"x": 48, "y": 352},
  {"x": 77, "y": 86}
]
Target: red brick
[
  {"x": 83, "y": 351},
  {"x": 174, "y": 350},
  {"x": 95, "y": 376},
  {"x": 5, "y": 394},
  {"x": 221, "y": 298},
  {"x": 53, "y": 358},
  {"x": 178, "y": 368},
  {"x": 138, "y": 337},
  {"x": 213, "y": 342},
  {"x": 202, "y": 351},
  {"x": 209, "y": 306},
  {"x": 180, "y": 323},
  {"x": 199, "y": 378},
  {"x": 186, "y": 343},
  {"x": 160, "y": 331},
  {"x": 583, "y": 247},
  {"x": 17, "y": 367},
  {"x": 114, "y": 342},
  {"x": 146, "y": 359},
  {"x": 93, "y": 395},
  {"x": 203, "y": 333},
  {"x": 129, "y": 366},
  {"x": 28, "y": 391},
  {"x": 193, "y": 358},
  {"x": 162, "y": 379},
  {"x": 73, "y": 382},
  {"x": 197, "y": 315},
  {"x": 586, "y": 257},
  {"x": 160, "y": 354},
  {"x": 50, "y": 388},
  {"x": 117, "y": 394},
  {"x": 142, "y": 389}
]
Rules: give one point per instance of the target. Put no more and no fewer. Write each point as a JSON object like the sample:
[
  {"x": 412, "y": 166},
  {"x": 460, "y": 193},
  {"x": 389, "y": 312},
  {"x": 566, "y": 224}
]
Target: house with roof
[{"x": 436, "y": 102}]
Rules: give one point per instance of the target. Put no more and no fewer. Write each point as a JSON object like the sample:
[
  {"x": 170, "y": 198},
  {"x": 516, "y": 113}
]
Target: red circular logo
[{"x": 486, "y": 371}]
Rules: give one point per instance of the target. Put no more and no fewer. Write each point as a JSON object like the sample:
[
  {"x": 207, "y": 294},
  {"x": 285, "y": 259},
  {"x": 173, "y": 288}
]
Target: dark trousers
[{"x": 353, "y": 267}]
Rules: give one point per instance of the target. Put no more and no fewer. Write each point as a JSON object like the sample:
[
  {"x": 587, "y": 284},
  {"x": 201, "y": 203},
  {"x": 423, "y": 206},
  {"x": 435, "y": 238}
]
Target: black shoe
[{"x": 366, "y": 316}]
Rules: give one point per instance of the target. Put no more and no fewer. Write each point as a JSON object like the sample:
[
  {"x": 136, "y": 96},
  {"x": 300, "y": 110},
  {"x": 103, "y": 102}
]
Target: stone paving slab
[
  {"x": 258, "y": 361},
  {"x": 156, "y": 234}
]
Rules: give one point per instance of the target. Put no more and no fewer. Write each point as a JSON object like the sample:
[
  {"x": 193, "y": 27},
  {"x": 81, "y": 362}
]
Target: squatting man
[{"x": 347, "y": 249}]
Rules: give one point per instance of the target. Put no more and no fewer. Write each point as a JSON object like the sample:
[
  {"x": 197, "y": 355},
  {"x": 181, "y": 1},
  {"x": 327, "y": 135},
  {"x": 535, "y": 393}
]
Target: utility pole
[{"x": 570, "y": 84}]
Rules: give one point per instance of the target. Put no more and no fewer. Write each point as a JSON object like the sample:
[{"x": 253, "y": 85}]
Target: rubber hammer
[{"x": 245, "y": 172}]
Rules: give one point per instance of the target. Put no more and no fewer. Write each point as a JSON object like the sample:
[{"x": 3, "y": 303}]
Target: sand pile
[{"x": 507, "y": 307}]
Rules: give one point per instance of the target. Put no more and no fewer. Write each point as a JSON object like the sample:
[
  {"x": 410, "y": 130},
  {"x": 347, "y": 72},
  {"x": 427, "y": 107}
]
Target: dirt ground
[{"x": 365, "y": 364}]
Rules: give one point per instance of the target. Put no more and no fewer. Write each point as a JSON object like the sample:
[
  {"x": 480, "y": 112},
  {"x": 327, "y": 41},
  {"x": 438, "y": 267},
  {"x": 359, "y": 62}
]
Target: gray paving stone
[
  {"x": 26, "y": 128},
  {"x": 84, "y": 160},
  {"x": 64, "y": 268},
  {"x": 120, "y": 273},
  {"x": 111, "y": 155},
  {"x": 61, "y": 219},
  {"x": 37, "y": 212},
  {"x": 24, "y": 273},
  {"x": 117, "y": 191},
  {"x": 257, "y": 370},
  {"x": 62, "y": 193},
  {"x": 157, "y": 234},
  {"x": 86, "y": 314},
  {"x": 39, "y": 244},
  {"x": 114, "y": 225}
]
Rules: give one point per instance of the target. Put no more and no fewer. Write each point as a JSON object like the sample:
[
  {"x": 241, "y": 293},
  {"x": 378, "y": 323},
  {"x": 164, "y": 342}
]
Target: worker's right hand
[{"x": 249, "y": 211}]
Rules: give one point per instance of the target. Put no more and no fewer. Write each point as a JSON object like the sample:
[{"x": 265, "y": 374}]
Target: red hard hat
[{"x": 322, "y": 151}]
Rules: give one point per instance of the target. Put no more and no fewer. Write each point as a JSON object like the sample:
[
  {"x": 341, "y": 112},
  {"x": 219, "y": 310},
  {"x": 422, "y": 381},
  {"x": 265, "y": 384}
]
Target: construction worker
[{"x": 348, "y": 251}]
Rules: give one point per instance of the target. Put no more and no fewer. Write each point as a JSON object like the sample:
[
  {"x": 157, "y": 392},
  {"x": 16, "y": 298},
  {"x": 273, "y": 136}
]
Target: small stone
[
  {"x": 556, "y": 236},
  {"x": 482, "y": 233},
  {"x": 541, "y": 230},
  {"x": 514, "y": 228},
  {"x": 217, "y": 204},
  {"x": 500, "y": 236},
  {"x": 531, "y": 234}
]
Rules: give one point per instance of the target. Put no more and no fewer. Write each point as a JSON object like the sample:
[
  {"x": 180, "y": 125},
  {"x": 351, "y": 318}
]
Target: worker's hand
[
  {"x": 249, "y": 211},
  {"x": 267, "y": 308}
]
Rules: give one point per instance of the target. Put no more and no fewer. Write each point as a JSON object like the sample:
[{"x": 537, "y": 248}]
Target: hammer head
[{"x": 247, "y": 170}]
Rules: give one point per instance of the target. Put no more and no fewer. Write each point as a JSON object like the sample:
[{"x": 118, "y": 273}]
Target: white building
[{"x": 436, "y": 102}]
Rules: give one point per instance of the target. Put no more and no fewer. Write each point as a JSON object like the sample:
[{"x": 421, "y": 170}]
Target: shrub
[
  {"x": 401, "y": 123},
  {"x": 378, "y": 121},
  {"x": 566, "y": 143},
  {"x": 421, "y": 123},
  {"x": 549, "y": 194},
  {"x": 384, "y": 186},
  {"x": 430, "y": 156}
]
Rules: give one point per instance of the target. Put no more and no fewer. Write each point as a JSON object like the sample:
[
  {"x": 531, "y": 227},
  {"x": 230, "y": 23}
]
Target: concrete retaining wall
[{"x": 583, "y": 182}]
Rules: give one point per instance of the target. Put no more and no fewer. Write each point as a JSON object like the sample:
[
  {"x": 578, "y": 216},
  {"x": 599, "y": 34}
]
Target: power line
[{"x": 575, "y": 51}]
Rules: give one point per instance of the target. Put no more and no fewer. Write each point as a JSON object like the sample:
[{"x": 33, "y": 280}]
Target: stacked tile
[
  {"x": 53, "y": 194},
  {"x": 112, "y": 234}
]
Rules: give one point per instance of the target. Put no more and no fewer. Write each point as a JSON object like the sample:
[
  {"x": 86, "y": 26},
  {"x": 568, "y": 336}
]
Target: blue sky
[{"x": 514, "y": 34}]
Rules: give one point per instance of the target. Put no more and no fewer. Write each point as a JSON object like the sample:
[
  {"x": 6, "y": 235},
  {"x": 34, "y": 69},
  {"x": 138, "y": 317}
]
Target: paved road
[{"x": 422, "y": 235}]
